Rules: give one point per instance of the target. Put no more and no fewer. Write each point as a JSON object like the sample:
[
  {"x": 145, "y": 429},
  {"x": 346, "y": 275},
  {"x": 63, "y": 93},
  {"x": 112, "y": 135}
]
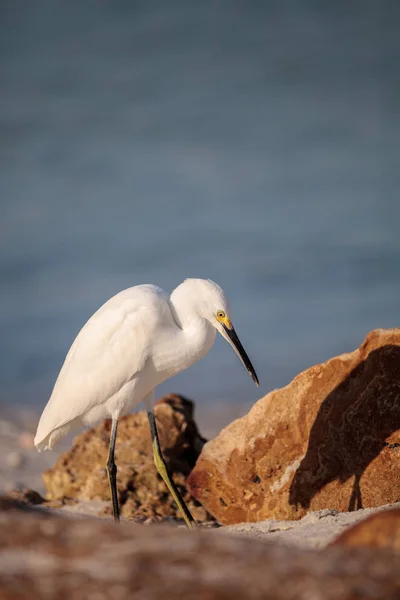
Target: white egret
[{"x": 135, "y": 341}]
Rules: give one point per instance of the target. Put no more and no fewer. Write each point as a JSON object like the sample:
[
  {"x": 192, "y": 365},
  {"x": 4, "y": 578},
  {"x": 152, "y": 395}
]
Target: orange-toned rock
[
  {"x": 330, "y": 439},
  {"x": 381, "y": 530},
  {"x": 80, "y": 473}
]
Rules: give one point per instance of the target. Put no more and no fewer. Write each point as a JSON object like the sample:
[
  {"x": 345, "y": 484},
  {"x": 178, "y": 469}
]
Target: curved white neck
[
  {"x": 196, "y": 337},
  {"x": 182, "y": 312}
]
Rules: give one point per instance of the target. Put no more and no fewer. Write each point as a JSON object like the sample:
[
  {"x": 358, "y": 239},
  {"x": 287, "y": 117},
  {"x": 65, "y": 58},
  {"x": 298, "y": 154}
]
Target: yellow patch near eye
[
  {"x": 223, "y": 319},
  {"x": 227, "y": 323}
]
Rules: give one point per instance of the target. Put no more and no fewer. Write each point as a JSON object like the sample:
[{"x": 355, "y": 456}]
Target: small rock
[
  {"x": 80, "y": 472},
  {"x": 20, "y": 499},
  {"x": 25, "y": 496},
  {"x": 380, "y": 530}
]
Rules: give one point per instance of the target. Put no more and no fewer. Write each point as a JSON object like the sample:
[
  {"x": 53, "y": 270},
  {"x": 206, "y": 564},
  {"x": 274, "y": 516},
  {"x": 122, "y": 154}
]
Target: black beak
[{"x": 231, "y": 333}]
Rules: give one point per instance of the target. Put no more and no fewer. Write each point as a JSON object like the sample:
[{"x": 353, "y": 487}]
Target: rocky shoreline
[{"x": 305, "y": 485}]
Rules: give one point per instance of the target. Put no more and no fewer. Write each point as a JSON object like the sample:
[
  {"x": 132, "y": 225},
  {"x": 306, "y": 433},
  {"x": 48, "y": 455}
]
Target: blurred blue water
[{"x": 252, "y": 143}]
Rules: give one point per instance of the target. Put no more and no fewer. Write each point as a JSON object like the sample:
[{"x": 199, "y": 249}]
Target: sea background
[{"x": 253, "y": 143}]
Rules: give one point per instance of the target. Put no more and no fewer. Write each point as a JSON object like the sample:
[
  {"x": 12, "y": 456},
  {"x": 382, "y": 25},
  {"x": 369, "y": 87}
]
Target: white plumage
[{"x": 136, "y": 340}]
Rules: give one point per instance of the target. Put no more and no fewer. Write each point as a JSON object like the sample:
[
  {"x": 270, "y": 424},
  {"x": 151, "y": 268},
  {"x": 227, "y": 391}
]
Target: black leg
[
  {"x": 162, "y": 469},
  {"x": 112, "y": 470}
]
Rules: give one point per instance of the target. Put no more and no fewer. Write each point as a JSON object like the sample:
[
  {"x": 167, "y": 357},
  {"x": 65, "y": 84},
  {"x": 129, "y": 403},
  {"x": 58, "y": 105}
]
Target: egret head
[{"x": 209, "y": 302}]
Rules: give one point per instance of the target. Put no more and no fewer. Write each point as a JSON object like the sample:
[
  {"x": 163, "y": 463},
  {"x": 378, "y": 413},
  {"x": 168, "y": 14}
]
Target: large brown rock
[
  {"x": 381, "y": 530},
  {"x": 47, "y": 557},
  {"x": 80, "y": 473},
  {"x": 330, "y": 439}
]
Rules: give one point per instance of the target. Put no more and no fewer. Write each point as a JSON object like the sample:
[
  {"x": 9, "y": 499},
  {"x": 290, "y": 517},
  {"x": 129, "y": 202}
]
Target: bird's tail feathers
[{"x": 50, "y": 440}]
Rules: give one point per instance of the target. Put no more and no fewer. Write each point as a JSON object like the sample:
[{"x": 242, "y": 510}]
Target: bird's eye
[{"x": 220, "y": 314}]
